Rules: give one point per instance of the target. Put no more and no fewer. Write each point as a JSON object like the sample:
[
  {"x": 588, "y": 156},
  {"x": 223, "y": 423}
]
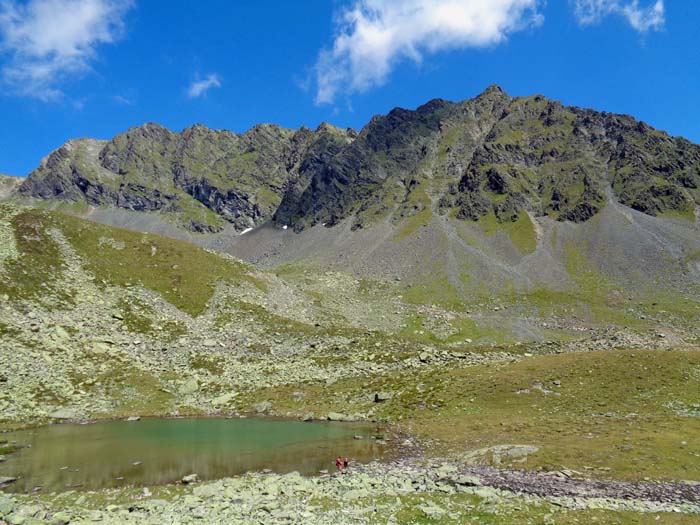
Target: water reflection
[{"x": 157, "y": 451}]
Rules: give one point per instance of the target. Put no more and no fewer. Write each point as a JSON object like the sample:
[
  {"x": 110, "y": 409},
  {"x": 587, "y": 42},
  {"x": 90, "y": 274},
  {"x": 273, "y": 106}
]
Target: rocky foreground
[{"x": 404, "y": 491}]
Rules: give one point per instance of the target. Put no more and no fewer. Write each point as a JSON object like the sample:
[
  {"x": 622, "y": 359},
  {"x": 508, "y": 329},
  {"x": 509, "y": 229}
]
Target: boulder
[
  {"x": 64, "y": 413},
  {"x": 209, "y": 490},
  {"x": 100, "y": 347},
  {"x": 224, "y": 399},
  {"x": 262, "y": 407},
  {"x": 60, "y": 518},
  {"x": 468, "y": 481},
  {"x": 190, "y": 386},
  {"x": 6, "y": 505},
  {"x": 190, "y": 478},
  {"x": 61, "y": 334},
  {"x": 445, "y": 470}
]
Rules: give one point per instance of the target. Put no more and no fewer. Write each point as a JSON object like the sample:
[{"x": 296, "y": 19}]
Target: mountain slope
[
  {"x": 492, "y": 199},
  {"x": 201, "y": 176},
  {"x": 491, "y": 154}
]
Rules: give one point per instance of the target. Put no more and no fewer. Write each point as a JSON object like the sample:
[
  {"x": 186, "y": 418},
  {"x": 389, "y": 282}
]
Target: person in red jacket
[{"x": 339, "y": 463}]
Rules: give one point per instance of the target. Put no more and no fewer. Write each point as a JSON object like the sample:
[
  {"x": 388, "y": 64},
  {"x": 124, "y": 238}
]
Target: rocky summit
[
  {"x": 493, "y": 154},
  {"x": 508, "y": 288}
]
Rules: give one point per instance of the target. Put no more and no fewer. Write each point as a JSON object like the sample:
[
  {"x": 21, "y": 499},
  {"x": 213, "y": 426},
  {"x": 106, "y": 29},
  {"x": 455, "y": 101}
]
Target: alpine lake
[{"x": 152, "y": 452}]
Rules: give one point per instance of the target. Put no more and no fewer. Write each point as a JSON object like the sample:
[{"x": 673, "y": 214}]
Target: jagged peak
[
  {"x": 149, "y": 129},
  {"x": 153, "y": 126},
  {"x": 326, "y": 127},
  {"x": 198, "y": 128},
  {"x": 493, "y": 89},
  {"x": 435, "y": 104},
  {"x": 267, "y": 128}
]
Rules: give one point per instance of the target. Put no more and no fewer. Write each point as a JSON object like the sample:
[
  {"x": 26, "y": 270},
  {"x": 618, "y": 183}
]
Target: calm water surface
[{"x": 156, "y": 451}]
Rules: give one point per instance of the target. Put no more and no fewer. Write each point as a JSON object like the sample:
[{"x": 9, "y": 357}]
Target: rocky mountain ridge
[
  {"x": 202, "y": 175},
  {"x": 490, "y": 155}
]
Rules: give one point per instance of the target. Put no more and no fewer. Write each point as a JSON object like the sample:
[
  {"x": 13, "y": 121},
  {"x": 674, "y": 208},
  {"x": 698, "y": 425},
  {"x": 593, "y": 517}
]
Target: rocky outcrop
[
  {"x": 240, "y": 178},
  {"x": 8, "y": 185}
]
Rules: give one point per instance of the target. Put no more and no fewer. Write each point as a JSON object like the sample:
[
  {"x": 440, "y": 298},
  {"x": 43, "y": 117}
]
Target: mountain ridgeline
[{"x": 490, "y": 155}]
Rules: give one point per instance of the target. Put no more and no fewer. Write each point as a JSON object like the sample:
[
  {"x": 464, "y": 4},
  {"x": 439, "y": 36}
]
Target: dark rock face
[
  {"x": 491, "y": 154},
  {"x": 237, "y": 178}
]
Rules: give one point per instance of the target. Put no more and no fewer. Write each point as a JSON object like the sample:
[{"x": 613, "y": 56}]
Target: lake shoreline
[
  {"x": 437, "y": 490},
  {"x": 151, "y": 442}
]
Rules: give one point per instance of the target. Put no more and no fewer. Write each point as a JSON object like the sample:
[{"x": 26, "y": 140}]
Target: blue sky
[{"x": 76, "y": 68}]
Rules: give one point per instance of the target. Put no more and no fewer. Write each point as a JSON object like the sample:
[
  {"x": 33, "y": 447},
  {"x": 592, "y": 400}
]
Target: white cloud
[
  {"x": 124, "y": 101},
  {"x": 373, "y": 35},
  {"x": 48, "y": 41},
  {"x": 642, "y": 19},
  {"x": 200, "y": 87}
]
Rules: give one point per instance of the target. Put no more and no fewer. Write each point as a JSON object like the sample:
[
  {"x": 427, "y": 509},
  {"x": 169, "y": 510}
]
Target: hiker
[
  {"x": 339, "y": 463},
  {"x": 346, "y": 464}
]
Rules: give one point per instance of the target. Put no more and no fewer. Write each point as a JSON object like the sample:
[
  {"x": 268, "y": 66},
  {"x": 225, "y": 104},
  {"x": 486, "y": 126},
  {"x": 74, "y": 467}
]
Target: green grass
[
  {"x": 463, "y": 509},
  {"x": 192, "y": 214},
  {"x": 510, "y": 137},
  {"x": 434, "y": 288},
  {"x": 267, "y": 198},
  {"x": 35, "y": 273},
  {"x": 609, "y": 416},
  {"x": 139, "y": 318},
  {"x": 610, "y": 411},
  {"x": 210, "y": 363},
  {"x": 521, "y": 232},
  {"x": 687, "y": 214},
  {"x": 461, "y": 329},
  {"x": 74, "y": 208},
  {"x": 410, "y": 226},
  {"x": 181, "y": 273}
]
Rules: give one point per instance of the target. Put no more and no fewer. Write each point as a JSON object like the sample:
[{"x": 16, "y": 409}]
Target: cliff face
[
  {"x": 493, "y": 154},
  {"x": 202, "y": 175}
]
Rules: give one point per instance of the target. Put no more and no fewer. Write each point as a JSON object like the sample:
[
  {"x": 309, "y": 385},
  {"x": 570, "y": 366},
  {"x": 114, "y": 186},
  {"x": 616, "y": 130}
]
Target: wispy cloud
[
  {"x": 200, "y": 87},
  {"x": 124, "y": 101},
  {"x": 650, "y": 17},
  {"x": 374, "y": 35},
  {"x": 48, "y": 41}
]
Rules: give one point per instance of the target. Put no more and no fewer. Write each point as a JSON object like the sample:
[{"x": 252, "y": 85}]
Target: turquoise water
[{"x": 157, "y": 451}]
